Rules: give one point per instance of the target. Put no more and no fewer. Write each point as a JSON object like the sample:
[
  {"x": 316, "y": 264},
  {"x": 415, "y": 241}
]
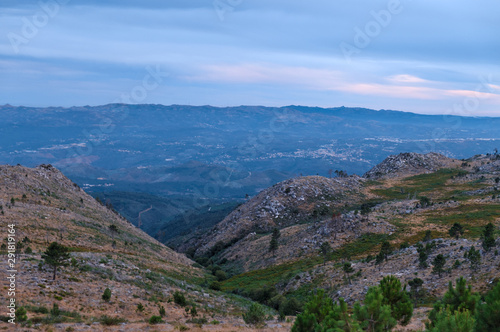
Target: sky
[{"x": 432, "y": 57}]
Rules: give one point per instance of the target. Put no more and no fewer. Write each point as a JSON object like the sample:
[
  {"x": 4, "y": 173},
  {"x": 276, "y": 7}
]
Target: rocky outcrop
[
  {"x": 286, "y": 203},
  {"x": 410, "y": 163}
]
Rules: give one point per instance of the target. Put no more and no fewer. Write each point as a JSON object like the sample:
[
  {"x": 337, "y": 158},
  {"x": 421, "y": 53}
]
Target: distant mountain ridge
[{"x": 195, "y": 156}]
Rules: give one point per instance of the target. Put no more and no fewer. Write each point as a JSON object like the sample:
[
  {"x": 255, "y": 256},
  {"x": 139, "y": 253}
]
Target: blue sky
[{"x": 435, "y": 57}]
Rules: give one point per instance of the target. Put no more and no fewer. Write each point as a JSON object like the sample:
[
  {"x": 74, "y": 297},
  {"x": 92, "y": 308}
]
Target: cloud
[
  {"x": 430, "y": 54},
  {"x": 269, "y": 74},
  {"x": 405, "y": 78}
]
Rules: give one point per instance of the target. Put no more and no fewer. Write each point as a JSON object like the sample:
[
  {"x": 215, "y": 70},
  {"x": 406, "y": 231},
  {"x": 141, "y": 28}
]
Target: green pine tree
[
  {"x": 488, "y": 236},
  {"x": 374, "y": 315},
  {"x": 474, "y": 257},
  {"x": 385, "y": 251},
  {"x": 456, "y": 230},
  {"x": 438, "y": 264},
  {"x": 325, "y": 250},
  {"x": 459, "y": 298},
  {"x": 348, "y": 270},
  {"x": 416, "y": 289},
  {"x": 397, "y": 298},
  {"x": 488, "y": 313},
  {"x": 457, "y": 321},
  {"x": 56, "y": 255},
  {"x": 106, "y": 296},
  {"x": 273, "y": 244}
]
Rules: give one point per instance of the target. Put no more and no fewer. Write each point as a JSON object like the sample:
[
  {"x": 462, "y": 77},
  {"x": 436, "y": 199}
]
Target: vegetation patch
[
  {"x": 269, "y": 276},
  {"x": 471, "y": 216}
]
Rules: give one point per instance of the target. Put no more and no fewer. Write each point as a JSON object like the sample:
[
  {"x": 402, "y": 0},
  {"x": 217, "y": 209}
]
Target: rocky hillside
[
  {"x": 46, "y": 206},
  {"x": 412, "y": 199},
  {"x": 411, "y": 163},
  {"x": 106, "y": 252},
  {"x": 312, "y": 210},
  {"x": 288, "y": 203}
]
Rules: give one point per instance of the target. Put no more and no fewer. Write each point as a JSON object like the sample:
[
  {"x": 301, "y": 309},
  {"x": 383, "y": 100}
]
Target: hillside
[
  {"x": 292, "y": 203},
  {"x": 303, "y": 208},
  {"x": 418, "y": 195},
  {"x": 206, "y": 155},
  {"x": 106, "y": 252},
  {"x": 405, "y": 164}
]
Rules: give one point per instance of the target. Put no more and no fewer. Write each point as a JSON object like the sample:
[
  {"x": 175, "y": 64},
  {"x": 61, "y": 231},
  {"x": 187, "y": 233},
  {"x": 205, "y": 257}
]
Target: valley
[{"x": 409, "y": 201}]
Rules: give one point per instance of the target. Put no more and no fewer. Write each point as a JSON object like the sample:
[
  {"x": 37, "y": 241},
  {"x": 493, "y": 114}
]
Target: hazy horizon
[
  {"x": 264, "y": 106},
  {"x": 419, "y": 57}
]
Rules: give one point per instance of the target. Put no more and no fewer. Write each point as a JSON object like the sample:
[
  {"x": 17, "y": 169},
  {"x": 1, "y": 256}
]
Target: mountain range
[{"x": 192, "y": 159}]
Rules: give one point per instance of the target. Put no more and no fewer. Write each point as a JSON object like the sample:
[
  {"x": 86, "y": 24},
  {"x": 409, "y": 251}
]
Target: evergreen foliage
[
  {"x": 488, "y": 313},
  {"x": 56, "y": 255},
  {"x": 488, "y": 236},
  {"x": 397, "y": 298},
  {"x": 456, "y": 230},
  {"x": 438, "y": 264}
]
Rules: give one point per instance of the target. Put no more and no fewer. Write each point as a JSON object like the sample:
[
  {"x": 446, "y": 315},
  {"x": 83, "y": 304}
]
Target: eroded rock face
[{"x": 410, "y": 164}]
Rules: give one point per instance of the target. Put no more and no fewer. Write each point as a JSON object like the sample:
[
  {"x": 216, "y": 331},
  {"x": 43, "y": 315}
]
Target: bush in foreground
[{"x": 255, "y": 314}]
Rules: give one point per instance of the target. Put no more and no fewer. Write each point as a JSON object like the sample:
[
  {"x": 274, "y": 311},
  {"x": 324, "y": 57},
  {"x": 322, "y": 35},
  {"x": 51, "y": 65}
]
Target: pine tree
[
  {"x": 456, "y": 230},
  {"x": 315, "y": 311},
  {"x": 488, "y": 313},
  {"x": 459, "y": 298},
  {"x": 427, "y": 236},
  {"x": 374, "y": 315},
  {"x": 457, "y": 321},
  {"x": 347, "y": 270},
  {"x": 321, "y": 314},
  {"x": 397, "y": 298},
  {"x": 474, "y": 257},
  {"x": 488, "y": 236},
  {"x": 273, "y": 244},
  {"x": 416, "y": 288},
  {"x": 438, "y": 264},
  {"x": 56, "y": 255},
  {"x": 384, "y": 253},
  {"x": 422, "y": 259},
  {"x": 325, "y": 250}
]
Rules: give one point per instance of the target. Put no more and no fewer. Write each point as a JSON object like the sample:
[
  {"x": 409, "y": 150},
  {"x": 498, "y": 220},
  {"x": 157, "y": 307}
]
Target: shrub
[
  {"x": 106, "y": 296},
  {"x": 155, "y": 320},
  {"x": 140, "y": 307},
  {"x": 220, "y": 275},
  {"x": 38, "y": 310},
  {"x": 254, "y": 315},
  {"x": 404, "y": 245},
  {"x": 107, "y": 320},
  {"x": 290, "y": 307},
  {"x": 162, "y": 311},
  {"x": 55, "y": 310},
  {"x": 194, "y": 312},
  {"x": 198, "y": 321},
  {"x": 215, "y": 285},
  {"x": 21, "y": 315},
  {"x": 180, "y": 299}
]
